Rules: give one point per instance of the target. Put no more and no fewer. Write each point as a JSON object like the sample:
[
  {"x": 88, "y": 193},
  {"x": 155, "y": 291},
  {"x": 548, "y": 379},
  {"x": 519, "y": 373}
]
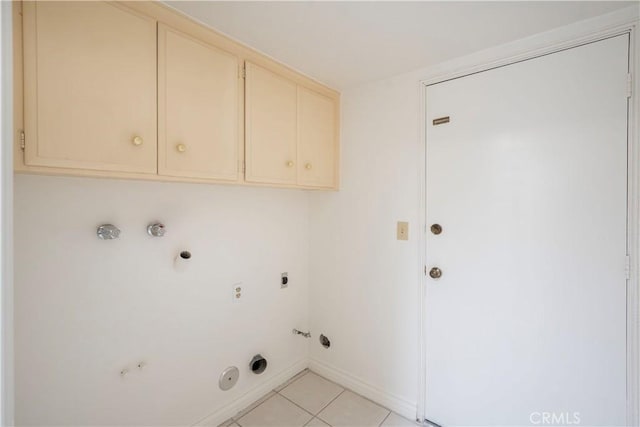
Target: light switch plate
[{"x": 403, "y": 230}]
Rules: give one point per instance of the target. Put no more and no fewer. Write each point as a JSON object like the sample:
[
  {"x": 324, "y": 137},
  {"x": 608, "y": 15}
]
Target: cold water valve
[{"x": 108, "y": 232}]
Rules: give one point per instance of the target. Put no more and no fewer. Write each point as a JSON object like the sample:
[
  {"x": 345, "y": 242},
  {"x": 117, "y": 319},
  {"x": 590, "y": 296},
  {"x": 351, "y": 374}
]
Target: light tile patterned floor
[{"x": 310, "y": 400}]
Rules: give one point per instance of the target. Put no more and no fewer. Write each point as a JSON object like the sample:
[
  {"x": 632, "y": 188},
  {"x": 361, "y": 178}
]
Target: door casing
[{"x": 568, "y": 37}]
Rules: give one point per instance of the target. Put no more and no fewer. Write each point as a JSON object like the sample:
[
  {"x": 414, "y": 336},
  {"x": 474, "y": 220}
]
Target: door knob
[
  {"x": 308, "y": 166},
  {"x": 436, "y": 229},
  {"x": 289, "y": 164},
  {"x": 435, "y": 273},
  {"x": 181, "y": 148},
  {"x": 137, "y": 141}
]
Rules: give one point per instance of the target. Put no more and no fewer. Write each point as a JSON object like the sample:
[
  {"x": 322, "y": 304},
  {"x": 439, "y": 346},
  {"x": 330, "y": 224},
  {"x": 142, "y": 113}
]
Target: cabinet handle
[
  {"x": 308, "y": 166},
  {"x": 290, "y": 164},
  {"x": 181, "y": 148},
  {"x": 137, "y": 141}
]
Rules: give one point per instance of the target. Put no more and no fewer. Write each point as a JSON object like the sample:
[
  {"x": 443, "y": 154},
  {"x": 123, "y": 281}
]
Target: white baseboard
[
  {"x": 395, "y": 403},
  {"x": 231, "y": 409}
]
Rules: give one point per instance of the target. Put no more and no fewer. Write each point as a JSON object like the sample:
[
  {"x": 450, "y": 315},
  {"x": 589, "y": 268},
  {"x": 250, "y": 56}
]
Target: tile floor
[{"x": 310, "y": 400}]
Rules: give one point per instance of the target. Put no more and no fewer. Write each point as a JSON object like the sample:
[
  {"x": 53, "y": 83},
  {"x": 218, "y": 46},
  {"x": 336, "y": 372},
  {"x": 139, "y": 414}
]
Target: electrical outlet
[
  {"x": 284, "y": 280},
  {"x": 237, "y": 292},
  {"x": 403, "y": 230}
]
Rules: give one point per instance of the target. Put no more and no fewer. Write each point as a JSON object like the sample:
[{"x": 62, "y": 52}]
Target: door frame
[
  {"x": 7, "y": 116},
  {"x": 623, "y": 21}
]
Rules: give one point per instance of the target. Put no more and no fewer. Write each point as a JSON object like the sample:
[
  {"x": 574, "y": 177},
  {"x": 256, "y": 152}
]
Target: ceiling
[{"x": 344, "y": 44}]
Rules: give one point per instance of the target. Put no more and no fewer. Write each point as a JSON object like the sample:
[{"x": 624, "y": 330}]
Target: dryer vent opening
[
  {"x": 258, "y": 364},
  {"x": 324, "y": 341}
]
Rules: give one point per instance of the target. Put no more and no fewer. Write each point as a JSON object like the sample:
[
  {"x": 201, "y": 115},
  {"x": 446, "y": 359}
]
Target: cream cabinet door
[
  {"x": 198, "y": 101},
  {"x": 90, "y": 86},
  {"x": 317, "y": 139},
  {"x": 270, "y": 135}
]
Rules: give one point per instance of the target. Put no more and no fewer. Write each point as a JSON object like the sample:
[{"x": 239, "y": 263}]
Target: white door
[{"x": 527, "y": 323}]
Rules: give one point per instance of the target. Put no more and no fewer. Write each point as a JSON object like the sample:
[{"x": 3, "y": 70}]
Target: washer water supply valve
[
  {"x": 108, "y": 232},
  {"x": 156, "y": 229}
]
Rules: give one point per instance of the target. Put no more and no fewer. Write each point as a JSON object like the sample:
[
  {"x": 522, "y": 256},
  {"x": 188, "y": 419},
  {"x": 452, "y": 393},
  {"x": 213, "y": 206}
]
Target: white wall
[
  {"x": 87, "y": 308},
  {"x": 364, "y": 295},
  {"x": 365, "y": 284}
]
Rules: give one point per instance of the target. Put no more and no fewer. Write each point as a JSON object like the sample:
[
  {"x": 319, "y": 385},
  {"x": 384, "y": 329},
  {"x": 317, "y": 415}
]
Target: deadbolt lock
[
  {"x": 435, "y": 273},
  {"x": 436, "y": 229}
]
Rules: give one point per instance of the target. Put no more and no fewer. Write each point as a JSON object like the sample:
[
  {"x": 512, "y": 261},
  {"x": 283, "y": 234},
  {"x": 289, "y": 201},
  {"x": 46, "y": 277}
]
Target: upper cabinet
[
  {"x": 291, "y": 132},
  {"x": 199, "y": 89},
  {"x": 270, "y": 127},
  {"x": 89, "y": 86},
  {"x": 317, "y": 139},
  {"x": 135, "y": 90}
]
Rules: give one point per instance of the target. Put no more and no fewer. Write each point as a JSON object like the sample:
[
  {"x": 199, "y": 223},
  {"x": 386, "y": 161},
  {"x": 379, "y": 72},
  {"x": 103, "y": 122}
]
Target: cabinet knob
[
  {"x": 308, "y": 166},
  {"x": 137, "y": 141},
  {"x": 290, "y": 164},
  {"x": 181, "y": 148}
]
